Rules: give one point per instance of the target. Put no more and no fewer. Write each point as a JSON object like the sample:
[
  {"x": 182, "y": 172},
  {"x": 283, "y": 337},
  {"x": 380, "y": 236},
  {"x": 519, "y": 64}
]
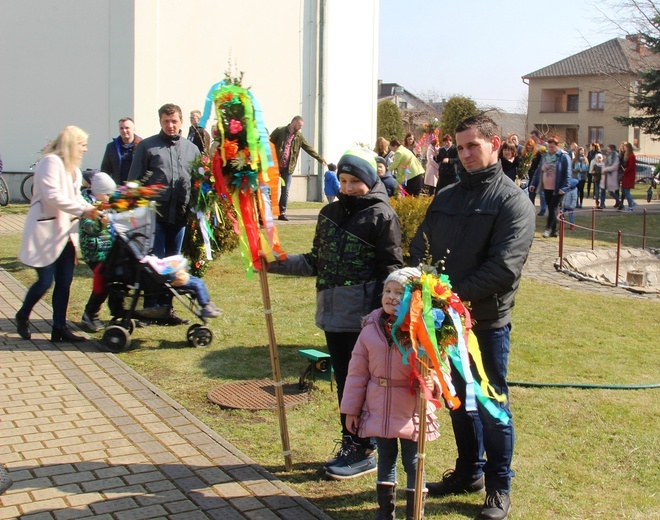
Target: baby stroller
[{"x": 128, "y": 279}]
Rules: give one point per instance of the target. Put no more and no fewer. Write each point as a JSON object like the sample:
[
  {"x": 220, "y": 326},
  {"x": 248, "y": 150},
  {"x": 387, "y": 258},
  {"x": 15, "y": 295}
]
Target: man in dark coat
[
  {"x": 119, "y": 152},
  {"x": 481, "y": 228}
]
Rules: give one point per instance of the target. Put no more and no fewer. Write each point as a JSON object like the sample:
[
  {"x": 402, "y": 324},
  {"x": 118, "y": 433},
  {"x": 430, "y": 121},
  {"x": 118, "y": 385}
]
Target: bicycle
[
  {"x": 4, "y": 191},
  {"x": 27, "y": 187}
]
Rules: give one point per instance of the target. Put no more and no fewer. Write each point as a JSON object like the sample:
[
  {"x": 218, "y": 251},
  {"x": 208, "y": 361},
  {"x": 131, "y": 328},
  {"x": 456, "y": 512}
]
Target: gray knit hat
[
  {"x": 102, "y": 184},
  {"x": 360, "y": 163},
  {"x": 404, "y": 275}
]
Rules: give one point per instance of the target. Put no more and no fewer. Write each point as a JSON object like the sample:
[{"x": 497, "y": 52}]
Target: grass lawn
[{"x": 580, "y": 453}]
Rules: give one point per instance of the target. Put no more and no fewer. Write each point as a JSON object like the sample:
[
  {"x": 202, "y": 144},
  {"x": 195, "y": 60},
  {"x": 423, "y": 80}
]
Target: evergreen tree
[
  {"x": 456, "y": 110},
  {"x": 388, "y": 121},
  {"x": 647, "y": 98}
]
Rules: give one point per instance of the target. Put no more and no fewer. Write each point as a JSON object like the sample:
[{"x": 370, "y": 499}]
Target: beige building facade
[{"x": 578, "y": 98}]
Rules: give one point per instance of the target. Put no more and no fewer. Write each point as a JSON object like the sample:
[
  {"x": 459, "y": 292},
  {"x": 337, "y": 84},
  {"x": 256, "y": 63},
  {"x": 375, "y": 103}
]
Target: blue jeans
[
  {"x": 284, "y": 195},
  {"x": 198, "y": 288},
  {"x": 62, "y": 272},
  {"x": 597, "y": 191},
  {"x": 479, "y": 432},
  {"x": 388, "y": 450},
  {"x": 168, "y": 239},
  {"x": 626, "y": 195},
  {"x": 613, "y": 194}
]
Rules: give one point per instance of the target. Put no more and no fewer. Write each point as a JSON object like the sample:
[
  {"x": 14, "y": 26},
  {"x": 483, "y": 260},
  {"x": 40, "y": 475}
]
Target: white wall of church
[{"x": 90, "y": 62}]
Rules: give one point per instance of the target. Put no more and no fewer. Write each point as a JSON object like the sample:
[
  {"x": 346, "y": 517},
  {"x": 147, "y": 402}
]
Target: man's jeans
[
  {"x": 284, "y": 195},
  {"x": 168, "y": 240},
  {"x": 476, "y": 432}
]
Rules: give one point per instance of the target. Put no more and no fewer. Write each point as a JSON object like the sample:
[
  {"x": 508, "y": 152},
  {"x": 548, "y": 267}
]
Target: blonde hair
[{"x": 65, "y": 145}]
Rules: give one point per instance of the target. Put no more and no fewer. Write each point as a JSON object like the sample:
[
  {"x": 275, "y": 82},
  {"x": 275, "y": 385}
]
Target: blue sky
[{"x": 481, "y": 48}]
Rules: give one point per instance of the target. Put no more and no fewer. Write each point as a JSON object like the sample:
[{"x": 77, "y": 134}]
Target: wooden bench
[{"x": 319, "y": 366}]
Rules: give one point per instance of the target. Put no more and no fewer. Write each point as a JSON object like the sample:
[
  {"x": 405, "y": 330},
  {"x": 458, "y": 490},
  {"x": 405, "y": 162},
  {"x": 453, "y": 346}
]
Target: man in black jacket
[
  {"x": 482, "y": 228},
  {"x": 165, "y": 159},
  {"x": 447, "y": 160}
]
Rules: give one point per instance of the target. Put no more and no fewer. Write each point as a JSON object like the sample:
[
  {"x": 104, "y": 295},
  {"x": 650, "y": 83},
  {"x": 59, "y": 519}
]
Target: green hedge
[{"x": 411, "y": 211}]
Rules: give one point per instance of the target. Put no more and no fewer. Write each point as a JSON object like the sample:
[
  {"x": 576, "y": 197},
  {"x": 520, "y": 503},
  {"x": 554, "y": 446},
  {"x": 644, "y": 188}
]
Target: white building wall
[{"x": 90, "y": 62}]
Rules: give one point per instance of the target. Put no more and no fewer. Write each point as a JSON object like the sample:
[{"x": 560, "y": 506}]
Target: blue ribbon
[
  {"x": 475, "y": 388},
  {"x": 261, "y": 128},
  {"x": 208, "y": 104}
]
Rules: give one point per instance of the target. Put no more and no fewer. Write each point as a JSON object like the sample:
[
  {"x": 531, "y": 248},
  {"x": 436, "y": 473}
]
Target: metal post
[
  {"x": 561, "y": 240},
  {"x": 593, "y": 227},
  {"x": 618, "y": 259},
  {"x": 644, "y": 230}
]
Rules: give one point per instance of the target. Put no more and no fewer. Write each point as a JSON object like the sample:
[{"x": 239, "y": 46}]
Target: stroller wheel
[
  {"x": 116, "y": 338},
  {"x": 199, "y": 336},
  {"x": 129, "y": 325}
]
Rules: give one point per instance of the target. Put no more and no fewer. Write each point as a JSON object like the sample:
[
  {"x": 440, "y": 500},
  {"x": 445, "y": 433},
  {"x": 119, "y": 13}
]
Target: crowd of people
[{"x": 479, "y": 190}]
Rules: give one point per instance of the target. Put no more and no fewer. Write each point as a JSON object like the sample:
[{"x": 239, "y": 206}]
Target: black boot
[
  {"x": 64, "y": 335},
  {"x": 23, "y": 327},
  {"x": 410, "y": 503},
  {"x": 386, "y": 501}
]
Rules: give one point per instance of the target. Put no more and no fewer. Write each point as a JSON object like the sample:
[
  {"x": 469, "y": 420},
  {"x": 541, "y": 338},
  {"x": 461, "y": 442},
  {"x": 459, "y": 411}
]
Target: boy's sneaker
[
  {"x": 547, "y": 232},
  {"x": 496, "y": 506},
  {"x": 210, "y": 311},
  {"x": 454, "y": 483},
  {"x": 355, "y": 462},
  {"x": 91, "y": 323}
]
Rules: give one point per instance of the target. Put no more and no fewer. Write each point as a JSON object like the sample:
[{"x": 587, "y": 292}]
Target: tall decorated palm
[{"x": 239, "y": 168}]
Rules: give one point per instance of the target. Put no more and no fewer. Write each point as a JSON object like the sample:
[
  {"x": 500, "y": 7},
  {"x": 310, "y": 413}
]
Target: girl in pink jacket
[{"x": 382, "y": 401}]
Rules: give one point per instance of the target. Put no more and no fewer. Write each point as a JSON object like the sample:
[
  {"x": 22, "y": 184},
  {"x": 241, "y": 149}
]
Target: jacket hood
[
  {"x": 352, "y": 203},
  {"x": 470, "y": 180}
]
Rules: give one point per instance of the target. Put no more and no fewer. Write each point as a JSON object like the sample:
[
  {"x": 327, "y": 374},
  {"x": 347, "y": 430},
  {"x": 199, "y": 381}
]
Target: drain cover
[{"x": 256, "y": 395}]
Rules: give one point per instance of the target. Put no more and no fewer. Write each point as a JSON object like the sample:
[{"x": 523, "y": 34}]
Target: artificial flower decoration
[
  {"x": 231, "y": 149},
  {"x": 130, "y": 196},
  {"x": 434, "y": 327},
  {"x": 235, "y": 126}
]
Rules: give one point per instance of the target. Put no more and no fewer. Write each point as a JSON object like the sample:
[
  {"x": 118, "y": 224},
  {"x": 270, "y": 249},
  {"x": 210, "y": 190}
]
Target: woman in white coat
[
  {"x": 50, "y": 236},
  {"x": 431, "y": 177}
]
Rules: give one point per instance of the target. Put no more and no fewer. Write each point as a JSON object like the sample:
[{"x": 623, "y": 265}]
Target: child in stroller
[{"x": 175, "y": 270}]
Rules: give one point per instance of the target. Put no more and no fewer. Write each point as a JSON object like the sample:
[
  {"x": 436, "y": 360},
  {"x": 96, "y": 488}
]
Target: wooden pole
[
  {"x": 421, "y": 446},
  {"x": 277, "y": 378}
]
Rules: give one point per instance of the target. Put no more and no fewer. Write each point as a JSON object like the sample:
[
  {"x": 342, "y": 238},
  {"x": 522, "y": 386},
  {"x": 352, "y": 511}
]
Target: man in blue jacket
[
  {"x": 119, "y": 152},
  {"x": 482, "y": 228}
]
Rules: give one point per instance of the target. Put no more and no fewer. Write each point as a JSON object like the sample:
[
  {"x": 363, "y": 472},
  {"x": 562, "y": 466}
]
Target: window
[
  {"x": 596, "y": 100},
  {"x": 572, "y": 101},
  {"x": 596, "y": 135},
  {"x": 636, "y": 137}
]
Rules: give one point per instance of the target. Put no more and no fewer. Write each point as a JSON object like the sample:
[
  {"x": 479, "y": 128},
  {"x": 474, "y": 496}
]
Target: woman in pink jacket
[
  {"x": 50, "y": 236},
  {"x": 381, "y": 401}
]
